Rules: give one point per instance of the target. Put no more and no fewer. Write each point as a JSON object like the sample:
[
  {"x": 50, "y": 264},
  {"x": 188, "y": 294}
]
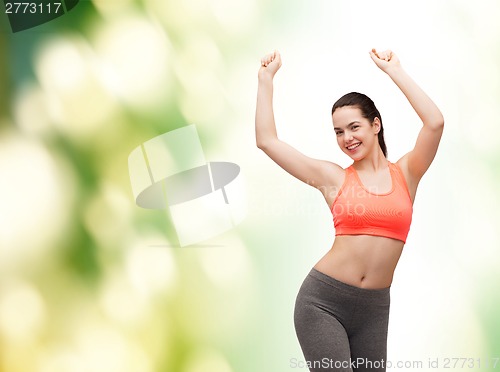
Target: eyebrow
[{"x": 348, "y": 125}]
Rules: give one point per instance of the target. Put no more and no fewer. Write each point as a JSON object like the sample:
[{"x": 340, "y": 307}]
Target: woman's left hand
[{"x": 385, "y": 60}]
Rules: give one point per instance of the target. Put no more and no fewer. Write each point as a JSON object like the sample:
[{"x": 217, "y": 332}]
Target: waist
[{"x": 362, "y": 261}]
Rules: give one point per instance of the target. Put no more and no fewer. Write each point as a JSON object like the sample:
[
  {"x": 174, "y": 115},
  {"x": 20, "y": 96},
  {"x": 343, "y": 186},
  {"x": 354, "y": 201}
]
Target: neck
[{"x": 373, "y": 162}]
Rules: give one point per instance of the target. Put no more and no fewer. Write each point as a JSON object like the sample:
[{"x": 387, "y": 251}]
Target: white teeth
[{"x": 352, "y": 147}]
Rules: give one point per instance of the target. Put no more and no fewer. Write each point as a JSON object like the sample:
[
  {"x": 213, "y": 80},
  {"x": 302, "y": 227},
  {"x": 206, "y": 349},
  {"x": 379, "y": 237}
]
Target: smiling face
[{"x": 356, "y": 136}]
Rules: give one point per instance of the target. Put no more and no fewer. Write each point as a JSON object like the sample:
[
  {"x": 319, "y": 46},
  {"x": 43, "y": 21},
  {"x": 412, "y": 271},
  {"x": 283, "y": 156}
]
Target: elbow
[
  {"x": 437, "y": 123},
  {"x": 440, "y": 122},
  {"x": 258, "y": 142},
  {"x": 264, "y": 145},
  {"x": 261, "y": 145}
]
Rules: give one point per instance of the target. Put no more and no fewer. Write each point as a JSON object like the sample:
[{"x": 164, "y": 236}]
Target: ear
[{"x": 376, "y": 125}]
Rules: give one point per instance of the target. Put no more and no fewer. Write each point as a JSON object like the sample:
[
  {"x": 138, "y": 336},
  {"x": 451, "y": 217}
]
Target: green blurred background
[{"x": 91, "y": 282}]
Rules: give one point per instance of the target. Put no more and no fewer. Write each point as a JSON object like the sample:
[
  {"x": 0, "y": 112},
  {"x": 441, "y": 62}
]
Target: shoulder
[
  {"x": 402, "y": 164},
  {"x": 333, "y": 178},
  {"x": 411, "y": 181},
  {"x": 334, "y": 173},
  {"x": 331, "y": 174}
]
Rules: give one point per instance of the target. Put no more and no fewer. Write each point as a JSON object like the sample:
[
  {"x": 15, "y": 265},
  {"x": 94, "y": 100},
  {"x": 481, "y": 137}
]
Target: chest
[{"x": 377, "y": 184}]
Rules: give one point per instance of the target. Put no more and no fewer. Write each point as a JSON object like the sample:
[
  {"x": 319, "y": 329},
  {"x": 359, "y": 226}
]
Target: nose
[{"x": 348, "y": 137}]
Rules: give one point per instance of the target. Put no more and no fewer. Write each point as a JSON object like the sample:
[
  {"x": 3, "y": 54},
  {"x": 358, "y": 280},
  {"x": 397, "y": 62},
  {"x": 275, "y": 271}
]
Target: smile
[{"x": 352, "y": 147}]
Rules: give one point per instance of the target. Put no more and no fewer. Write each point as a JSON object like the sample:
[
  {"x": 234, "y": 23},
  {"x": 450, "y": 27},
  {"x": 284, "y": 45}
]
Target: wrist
[
  {"x": 265, "y": 77},
  {"x": 394, "y": 70}
]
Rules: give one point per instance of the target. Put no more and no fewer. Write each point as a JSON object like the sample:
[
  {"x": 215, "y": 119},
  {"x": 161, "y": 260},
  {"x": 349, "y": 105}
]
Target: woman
[{"x": 342, "y": 308}]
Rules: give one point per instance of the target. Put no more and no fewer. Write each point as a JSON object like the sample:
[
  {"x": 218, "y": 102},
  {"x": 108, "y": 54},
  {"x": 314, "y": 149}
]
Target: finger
[
  {"x": 270, "y": 58},
  {"x": 387, "y": 54},
  {"x": 266, "y": 60},
  {"x": 277, "y": 57},
  {"x": 273, "y": 57},
  {"x": 373, "y": 55}
]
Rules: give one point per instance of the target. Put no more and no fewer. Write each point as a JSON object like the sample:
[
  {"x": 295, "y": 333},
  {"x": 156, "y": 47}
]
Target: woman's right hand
[{"x": 270, "y": 64}]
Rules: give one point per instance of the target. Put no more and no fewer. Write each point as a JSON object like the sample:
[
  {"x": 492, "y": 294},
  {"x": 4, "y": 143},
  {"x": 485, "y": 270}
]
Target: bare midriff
[{"x": 363, "y": 261}]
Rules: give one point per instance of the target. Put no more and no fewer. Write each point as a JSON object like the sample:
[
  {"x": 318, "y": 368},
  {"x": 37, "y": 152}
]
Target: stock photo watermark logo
[
  {"x": 25, "y": 15},
  {"x": 430, "y": 363},
  {"x": 204, "y": 198}
]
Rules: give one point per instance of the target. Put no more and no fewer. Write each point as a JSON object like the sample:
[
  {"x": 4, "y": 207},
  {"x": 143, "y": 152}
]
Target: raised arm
[
  {"x": 417, "y": 161},
  {"x": 317, "y": 173}
]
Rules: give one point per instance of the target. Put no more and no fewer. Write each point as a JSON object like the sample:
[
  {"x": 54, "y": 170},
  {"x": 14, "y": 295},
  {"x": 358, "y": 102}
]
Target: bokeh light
[
  {"x": 67, "y": 71},
  {"x": 207, "y": 360},
  {"x": 23, "y": 325},
  {"x": 151, "y": 270},
  {"x": 35, "y": 184},
  {"x": 133, "y": 59}
]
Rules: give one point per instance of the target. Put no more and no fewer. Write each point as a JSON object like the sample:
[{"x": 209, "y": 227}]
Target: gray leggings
[{"x": 341, "y": 327}]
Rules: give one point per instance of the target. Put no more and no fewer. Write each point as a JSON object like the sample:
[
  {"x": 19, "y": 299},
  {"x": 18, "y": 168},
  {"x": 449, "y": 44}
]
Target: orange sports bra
[{"x": 358, "y": 211}]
